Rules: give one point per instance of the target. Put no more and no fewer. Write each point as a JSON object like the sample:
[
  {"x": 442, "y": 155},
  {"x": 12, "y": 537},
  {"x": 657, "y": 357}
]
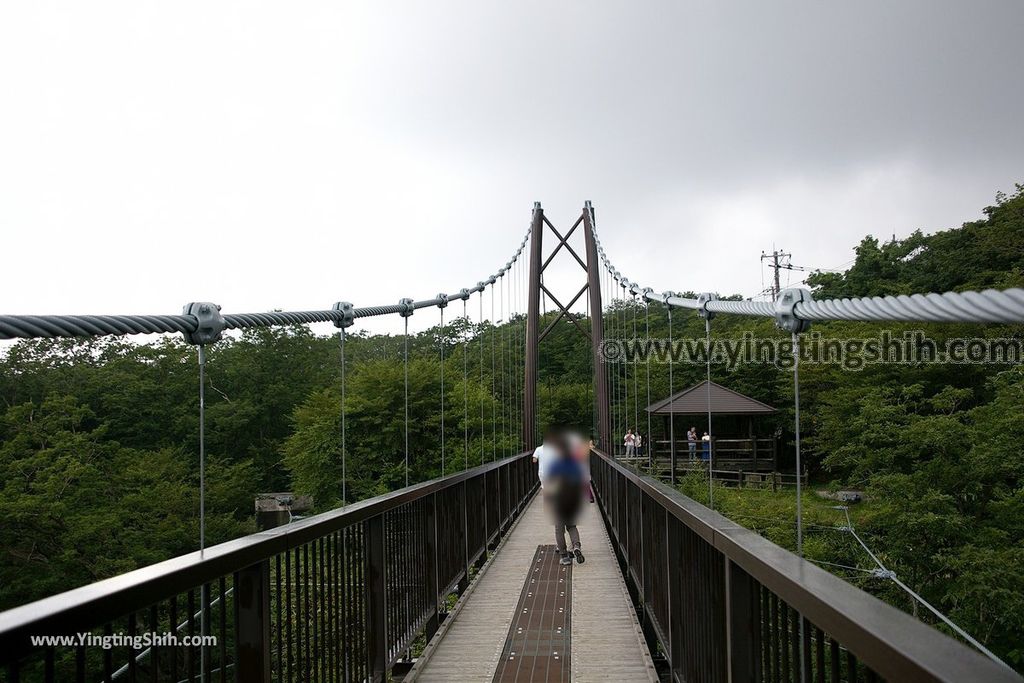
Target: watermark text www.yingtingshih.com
[
  {"x": 135, "y": 641},
  {"x": 911, "y": 347}
]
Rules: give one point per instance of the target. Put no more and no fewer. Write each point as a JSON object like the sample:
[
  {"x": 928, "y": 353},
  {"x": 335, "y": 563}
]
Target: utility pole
[{"x": 775, "y": 257}]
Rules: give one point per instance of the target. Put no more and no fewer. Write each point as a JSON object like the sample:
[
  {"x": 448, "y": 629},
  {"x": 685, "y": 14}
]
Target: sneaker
[
  {"x": 566, "y": 559},
  {"x": 579, "y": 555}
]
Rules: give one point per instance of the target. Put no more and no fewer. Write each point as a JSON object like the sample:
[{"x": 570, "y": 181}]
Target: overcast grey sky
[{"x": 287, "y": 155}]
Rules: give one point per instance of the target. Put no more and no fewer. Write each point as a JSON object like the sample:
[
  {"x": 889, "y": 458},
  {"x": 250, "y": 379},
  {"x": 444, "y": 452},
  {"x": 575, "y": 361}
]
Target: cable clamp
[
  {"x": 880, "y": 573},
  {"x": 348, "y": 314},
  {"x": 785, "y": 310},
  {"x": 209, "y": 322},
  {"x": 702, "y": 305},
  {"x": 665, "y": 296},
  {"x": 492, "y": 279},
  {"x": 463, "y": 294},
  {"x": 407, "y": 308},
  {"x": 442, "y": 300}
]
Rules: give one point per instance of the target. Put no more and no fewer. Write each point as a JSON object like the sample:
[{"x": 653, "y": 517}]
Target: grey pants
[{"x": 574, "y": 536}]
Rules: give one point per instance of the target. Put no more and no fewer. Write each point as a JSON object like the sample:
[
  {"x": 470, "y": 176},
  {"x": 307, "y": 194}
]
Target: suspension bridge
[{"x": 455, "y": 579}]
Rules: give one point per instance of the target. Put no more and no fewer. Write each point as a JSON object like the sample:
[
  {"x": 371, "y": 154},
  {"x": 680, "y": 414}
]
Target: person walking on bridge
[{"x": 563, "y": 494}]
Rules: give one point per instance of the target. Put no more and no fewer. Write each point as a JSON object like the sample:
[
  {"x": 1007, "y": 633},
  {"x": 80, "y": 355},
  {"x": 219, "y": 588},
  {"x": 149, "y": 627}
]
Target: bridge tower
[{"x": 534, "y": 335}]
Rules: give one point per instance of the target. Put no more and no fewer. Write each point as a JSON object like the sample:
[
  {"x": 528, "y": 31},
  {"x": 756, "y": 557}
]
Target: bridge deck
[{"x": 605, "y": 642}]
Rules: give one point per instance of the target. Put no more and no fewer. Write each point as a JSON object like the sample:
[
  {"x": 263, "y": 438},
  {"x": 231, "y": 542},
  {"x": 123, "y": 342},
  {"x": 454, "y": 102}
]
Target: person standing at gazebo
[
  {"x": 629, "y": 441},
  {"x": 706, "y": 448},
  {"x": 691, "y": 441}
]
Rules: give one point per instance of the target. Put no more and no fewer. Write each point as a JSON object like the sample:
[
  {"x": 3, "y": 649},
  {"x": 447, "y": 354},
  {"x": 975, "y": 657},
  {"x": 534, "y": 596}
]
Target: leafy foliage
[{"x": 98, "y": 446}]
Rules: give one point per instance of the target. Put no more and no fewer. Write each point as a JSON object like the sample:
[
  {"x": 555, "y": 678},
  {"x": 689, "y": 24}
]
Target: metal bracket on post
[
  {"x": 348, "y": 314},
  {"x": 647, "y": 292},
  {"x": 785, "y": 310},
  {"x": 442, "y": 300},
  {"x": 702, "y": 305},
  {"x": 210, "y": 323},
  {"x": 406, "y": 307}
]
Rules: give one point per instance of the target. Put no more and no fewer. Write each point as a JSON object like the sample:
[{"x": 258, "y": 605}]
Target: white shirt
[
  {"x": 542, "y": 456},
  {"x": 628, "y": 439}
]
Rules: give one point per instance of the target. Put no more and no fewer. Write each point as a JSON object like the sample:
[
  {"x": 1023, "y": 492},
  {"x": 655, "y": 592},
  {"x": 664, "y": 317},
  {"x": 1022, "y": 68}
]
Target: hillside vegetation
[{"x": 98, "y": 439}]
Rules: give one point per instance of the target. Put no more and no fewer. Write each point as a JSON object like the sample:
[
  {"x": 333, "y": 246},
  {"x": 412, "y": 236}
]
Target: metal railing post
[
  {"x": 430, "y": 531},
  {"x": 252, "y": 622},
  {"x": 464, "y": 581},
  {"x": 376, "y": 600},
  {"x": 742, "y": 620}
]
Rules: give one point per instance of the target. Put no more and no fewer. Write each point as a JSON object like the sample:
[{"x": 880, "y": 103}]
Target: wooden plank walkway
[{"x": 606, "y": 642}]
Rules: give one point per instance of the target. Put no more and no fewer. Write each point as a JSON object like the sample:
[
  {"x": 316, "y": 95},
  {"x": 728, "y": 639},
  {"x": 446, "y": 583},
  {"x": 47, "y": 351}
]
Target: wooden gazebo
[{"x": 736, "y": 443}]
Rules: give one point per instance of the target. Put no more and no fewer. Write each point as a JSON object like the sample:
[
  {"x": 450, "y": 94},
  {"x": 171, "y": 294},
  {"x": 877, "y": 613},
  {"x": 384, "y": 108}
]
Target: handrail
[
  {"x": 81, "y": 609},
  {"x": 889, "y": 641}
]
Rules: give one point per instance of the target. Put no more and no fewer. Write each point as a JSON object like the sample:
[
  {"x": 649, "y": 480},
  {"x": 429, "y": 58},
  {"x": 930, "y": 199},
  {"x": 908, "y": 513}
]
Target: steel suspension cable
[
  {"x": 650, "y": 443},
  {"x": 465, "y": 385},
  {"x": 405, "y": 339},
  {"x": 344, "y": 474},
  {"x": 636, "y": 399},
  {"x": 593, "y": 371},
  {"x": 671, "y": 404},
  {"x": 883, "y": 572},
  {"x": 202, "y": 447},
  {"x": 608, "y": 367},
  {"x": 624, "y": 380},
  {"x": 616, "y": 383},
  {"x": 494, "y": 408},
  {"x": 501, "y": 362},
  {"x": 202, "y": 486},
  {"x": 796, "y": 425},
  {"x": 990, "y": 305},
  {"x": 711, "y": 436},
  {"x": 609, "y": 333},
  {"x": 480, "y": 343},
  {"x": 516, "y": 363},
  {"x": 442, "y": 392}
]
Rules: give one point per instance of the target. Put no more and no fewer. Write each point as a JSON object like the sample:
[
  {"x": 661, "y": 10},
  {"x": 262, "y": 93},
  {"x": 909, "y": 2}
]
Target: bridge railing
[
  {"x": 725, "y": 604},
  {"x": 339, "y": 596}
]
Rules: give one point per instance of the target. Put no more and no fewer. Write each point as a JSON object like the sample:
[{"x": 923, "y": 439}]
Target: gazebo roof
[{"x": 694, "y": 401}]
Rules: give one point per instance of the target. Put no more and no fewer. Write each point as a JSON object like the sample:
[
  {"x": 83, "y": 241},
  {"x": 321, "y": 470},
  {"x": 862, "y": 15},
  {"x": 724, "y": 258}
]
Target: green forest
[{"x": 99, "y": 446}]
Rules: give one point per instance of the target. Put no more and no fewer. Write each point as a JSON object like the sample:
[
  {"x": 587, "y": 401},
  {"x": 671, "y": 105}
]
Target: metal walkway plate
[{"x": 538, "y": 642}]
